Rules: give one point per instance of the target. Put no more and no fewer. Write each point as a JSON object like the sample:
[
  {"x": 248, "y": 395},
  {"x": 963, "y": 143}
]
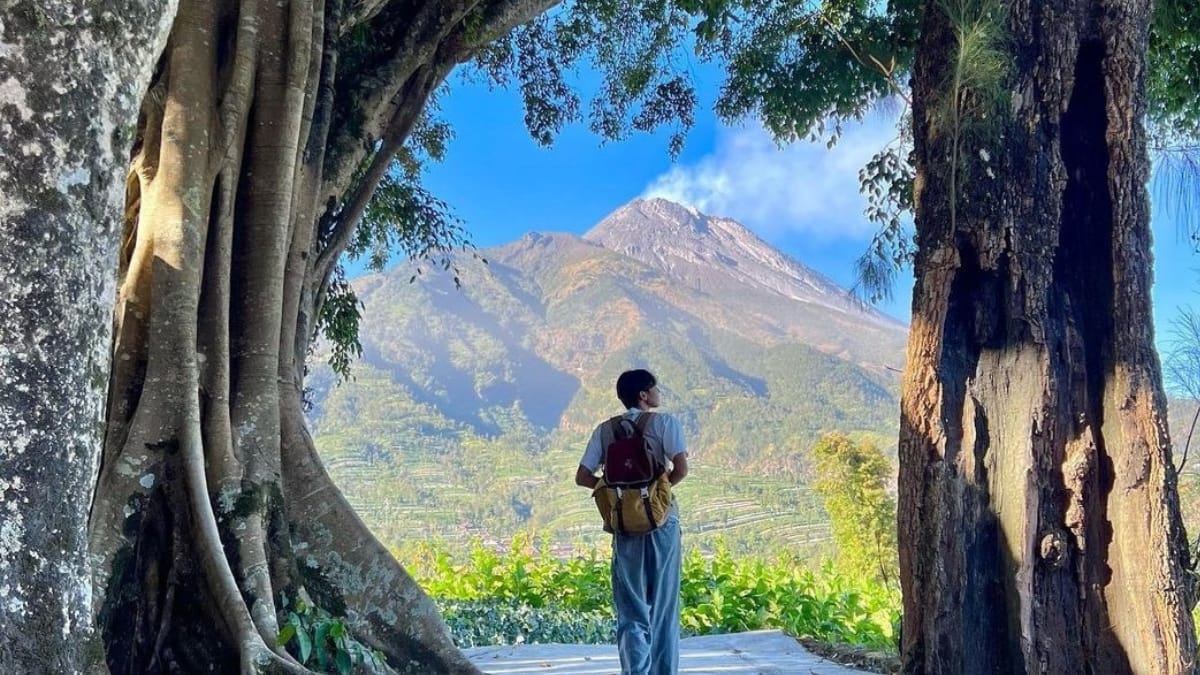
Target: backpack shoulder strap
[
  {"x": 609, "y": 432},
  {"x": 614, "y": 427},
  {"x": 643, "y": 420}
]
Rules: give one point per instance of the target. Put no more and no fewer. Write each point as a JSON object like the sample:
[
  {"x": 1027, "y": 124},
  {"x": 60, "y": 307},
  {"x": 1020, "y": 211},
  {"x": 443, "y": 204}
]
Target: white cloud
[{"x": 800, "y": 188}]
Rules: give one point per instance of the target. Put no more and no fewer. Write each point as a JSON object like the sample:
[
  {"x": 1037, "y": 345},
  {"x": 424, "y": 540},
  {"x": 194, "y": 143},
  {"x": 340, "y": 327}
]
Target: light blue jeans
[{"x": 645, "y": 579}]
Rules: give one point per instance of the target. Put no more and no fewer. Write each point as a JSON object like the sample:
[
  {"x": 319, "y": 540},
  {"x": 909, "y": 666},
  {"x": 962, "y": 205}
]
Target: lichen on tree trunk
[
  {"x": 257, "y": 147},
  {"x": 1039, "y": 522},
  {"x": 71, "y": 73}
]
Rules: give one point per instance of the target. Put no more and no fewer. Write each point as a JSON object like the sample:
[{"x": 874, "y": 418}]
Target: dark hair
[{"x": 633, "y": 382}]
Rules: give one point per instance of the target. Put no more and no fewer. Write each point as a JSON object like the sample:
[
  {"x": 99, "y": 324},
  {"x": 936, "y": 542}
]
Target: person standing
[{"x": 645, "y": 567}]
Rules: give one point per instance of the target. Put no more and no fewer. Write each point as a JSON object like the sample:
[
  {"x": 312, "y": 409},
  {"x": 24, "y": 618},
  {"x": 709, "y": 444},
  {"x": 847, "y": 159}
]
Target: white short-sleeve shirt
[{"x": 663, "y": 434}]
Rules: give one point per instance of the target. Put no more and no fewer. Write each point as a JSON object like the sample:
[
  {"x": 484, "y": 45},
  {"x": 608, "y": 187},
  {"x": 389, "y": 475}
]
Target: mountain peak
[
  {"x": 707, "y": 252},
  {"x": 656, "y": 211},
  {"x": 666, "y": 207}
]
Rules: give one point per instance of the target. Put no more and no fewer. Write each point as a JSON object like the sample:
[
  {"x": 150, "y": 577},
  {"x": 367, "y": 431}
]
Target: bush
[
  {"x": 533, "y": 597},
  {"x": 722, "y": 594},
  {"x": 522, "y": 576},
  {"x": 478, "y": 623}
]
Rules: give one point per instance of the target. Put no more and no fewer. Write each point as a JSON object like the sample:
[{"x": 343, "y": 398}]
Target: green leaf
[
  {"x": 306, "y": 646},
  {"x": 320, "y": 635},
  {"x": 343, "y": 663},
  {"x": 285, "y": 635}
]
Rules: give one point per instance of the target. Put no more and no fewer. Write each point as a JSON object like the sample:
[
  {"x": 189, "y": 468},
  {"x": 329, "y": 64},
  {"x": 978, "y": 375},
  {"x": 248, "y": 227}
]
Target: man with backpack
[{"x": 643, "y": 455}]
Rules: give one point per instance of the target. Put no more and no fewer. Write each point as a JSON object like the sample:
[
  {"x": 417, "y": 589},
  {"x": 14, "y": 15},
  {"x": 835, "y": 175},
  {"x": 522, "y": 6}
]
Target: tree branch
[
  {"x": 888, "y": 72},
  {"x": 366, "y": 100},
  {"x": 361, "y": 12},
  {"x": 443, "y": 45},
  {"x": 502, "y": 16},
  {"x": 403, "y": 119},
  {"x": 439, "y": 31}
]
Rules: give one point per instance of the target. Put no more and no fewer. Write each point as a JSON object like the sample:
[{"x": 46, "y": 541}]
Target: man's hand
[{"x": 585, "y": 478}]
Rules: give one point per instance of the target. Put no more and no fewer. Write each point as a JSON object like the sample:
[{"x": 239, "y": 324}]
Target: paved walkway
[{"x": 755, "y": 653}]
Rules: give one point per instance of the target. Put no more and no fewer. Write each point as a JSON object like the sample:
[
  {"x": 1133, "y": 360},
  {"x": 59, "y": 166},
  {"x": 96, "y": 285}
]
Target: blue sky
[{"x": 803, "y": 198}]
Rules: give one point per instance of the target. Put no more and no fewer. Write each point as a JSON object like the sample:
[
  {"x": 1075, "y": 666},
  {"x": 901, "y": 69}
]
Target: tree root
[{"x": 347, "y": 568}]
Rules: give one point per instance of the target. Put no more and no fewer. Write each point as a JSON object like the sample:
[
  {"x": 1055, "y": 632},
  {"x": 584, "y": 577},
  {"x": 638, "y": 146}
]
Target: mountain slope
[
  {"x": 767, "y": 290},
  {"x": 470, "y": 407}
]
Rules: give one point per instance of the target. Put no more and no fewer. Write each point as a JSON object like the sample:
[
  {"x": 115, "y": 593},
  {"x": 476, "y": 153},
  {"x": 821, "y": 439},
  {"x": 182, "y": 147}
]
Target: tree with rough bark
[
  {"x": 1039, "y": 519},
  {"x": 264, "y": 132},
  {"x": 71, "y": 76}
]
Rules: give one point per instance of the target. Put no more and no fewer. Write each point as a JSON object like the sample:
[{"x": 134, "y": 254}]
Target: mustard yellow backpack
[{"x": 634, "y": 494}]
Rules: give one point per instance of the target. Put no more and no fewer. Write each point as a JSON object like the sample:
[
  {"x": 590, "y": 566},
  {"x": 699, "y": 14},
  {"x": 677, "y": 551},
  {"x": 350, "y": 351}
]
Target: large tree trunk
[
  {"x": 1039, "y": 521},
  {"x": 71, "y": 74},
  {"x": 267, "y": 127}
]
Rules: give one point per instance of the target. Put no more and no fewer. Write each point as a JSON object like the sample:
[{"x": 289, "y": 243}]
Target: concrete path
[{"x": 756, "y": 653}]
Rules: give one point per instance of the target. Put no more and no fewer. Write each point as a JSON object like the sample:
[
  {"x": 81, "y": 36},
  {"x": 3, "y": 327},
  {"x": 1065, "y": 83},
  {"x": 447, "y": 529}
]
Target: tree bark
[
  {"x": 253, "y": 158},
  {"x": 1038, "y": 517},
  {"x": 71, "y": 75}
]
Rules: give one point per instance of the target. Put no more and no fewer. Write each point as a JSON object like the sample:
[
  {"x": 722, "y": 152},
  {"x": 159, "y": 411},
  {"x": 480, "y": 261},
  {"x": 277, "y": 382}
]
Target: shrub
[
  {"x": 530, "y": 596},
  {"x": 322, "y": 641},
  {"x": 476, "y": 623}
]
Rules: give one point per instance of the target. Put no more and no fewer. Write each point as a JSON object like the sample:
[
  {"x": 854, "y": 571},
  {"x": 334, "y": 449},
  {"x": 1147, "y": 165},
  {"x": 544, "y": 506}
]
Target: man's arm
[
  {"x": 676, "y": 449},
  {"x": 593, "y": 455},
  {"x": 679, "y": 472},
  {"x": 587, "y": 479}
]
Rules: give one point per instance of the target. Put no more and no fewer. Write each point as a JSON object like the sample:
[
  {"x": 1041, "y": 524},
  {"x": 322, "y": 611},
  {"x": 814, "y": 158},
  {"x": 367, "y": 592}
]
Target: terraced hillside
[{"x": 469, "y": 409}]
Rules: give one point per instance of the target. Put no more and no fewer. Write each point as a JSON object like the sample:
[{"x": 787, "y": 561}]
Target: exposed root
[{"x": 345, "y": 564}]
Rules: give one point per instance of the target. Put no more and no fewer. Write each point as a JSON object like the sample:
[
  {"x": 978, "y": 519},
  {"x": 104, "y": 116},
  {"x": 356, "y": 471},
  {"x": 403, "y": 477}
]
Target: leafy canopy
[
  {"x": 801, "y": 69},
  {"x": 1173, "y": 78}
]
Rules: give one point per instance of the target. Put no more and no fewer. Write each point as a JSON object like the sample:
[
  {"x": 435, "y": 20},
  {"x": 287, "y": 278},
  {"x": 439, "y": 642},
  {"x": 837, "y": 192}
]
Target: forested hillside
[{"x": 468, "y": 411}]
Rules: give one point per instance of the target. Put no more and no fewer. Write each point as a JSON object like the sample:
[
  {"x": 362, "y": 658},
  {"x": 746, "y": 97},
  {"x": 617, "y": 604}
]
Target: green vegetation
[
  {"x": 528, "y": 595},
  {"x": 322, "y": 641},
  {"x": 852, "y": 479},
  {"x": 470, "y": 408},
  {"x": 1174, "y": 59}
]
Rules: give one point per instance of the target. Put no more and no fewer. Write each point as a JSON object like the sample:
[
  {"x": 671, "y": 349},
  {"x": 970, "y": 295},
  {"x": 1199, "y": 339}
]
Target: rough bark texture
[
  {"x": 71, "y": 76},
  {"x": 266, "y": 128},
  {"x": 1039, "y": 521}
]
